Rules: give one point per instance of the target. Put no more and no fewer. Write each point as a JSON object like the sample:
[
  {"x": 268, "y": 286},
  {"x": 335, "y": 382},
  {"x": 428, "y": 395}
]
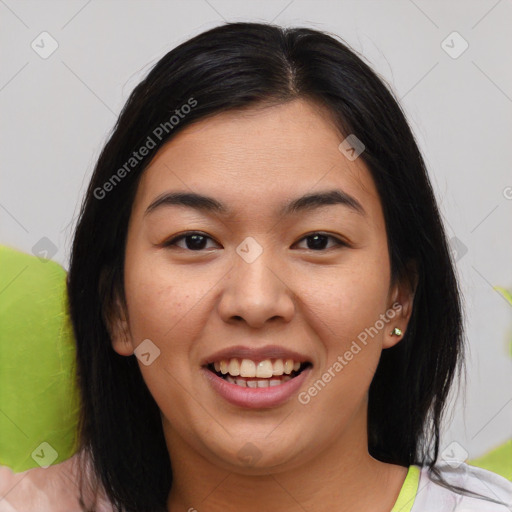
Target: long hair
[{"x": 230, "y": 67}]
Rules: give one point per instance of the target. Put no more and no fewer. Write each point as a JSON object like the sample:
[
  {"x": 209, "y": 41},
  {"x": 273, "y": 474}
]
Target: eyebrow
[{"x": 306, "y": 202}]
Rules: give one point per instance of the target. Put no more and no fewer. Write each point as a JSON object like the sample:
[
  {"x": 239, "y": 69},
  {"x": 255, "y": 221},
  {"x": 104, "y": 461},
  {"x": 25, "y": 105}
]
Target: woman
[{"x": 262, "y": 294}]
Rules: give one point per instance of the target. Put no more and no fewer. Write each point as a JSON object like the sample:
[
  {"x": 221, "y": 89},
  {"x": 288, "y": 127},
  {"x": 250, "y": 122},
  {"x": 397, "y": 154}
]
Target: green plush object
[
  {"x": 498, "y": 460},
  {"x": 39, "y": 400}
]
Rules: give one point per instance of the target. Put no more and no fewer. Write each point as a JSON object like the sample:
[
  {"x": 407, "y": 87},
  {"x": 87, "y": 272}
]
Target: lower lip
[{"x": 256, "y": 398}]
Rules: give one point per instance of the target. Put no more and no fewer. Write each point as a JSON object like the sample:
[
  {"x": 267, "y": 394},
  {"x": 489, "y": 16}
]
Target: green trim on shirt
[{"x": 405, "y": 499}]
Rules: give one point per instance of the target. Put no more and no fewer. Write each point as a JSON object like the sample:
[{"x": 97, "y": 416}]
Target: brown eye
[
  {"x": 318, "y": 241},
  {"x": 194, "y": 241}
]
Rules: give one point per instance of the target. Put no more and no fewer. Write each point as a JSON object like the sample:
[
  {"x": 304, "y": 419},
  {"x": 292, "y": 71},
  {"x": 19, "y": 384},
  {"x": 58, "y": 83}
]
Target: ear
[
  {"x": 119, "y": 331},
  {"x": 113, "y": 314},
  {"x": 400, "y": 305}
]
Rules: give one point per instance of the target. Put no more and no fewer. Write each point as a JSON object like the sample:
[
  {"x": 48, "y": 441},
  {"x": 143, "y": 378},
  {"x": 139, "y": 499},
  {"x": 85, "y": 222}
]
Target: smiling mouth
[{"x": 262, "y": 374}]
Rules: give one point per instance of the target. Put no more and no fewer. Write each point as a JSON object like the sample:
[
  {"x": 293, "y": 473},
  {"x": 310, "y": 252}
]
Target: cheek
[
  {"x": 153, "y": 307},
  {"x": 344, "y": 307},
  {"x": 348, "y": 298},
  {"x": 169, "y": 304},
  {"x": 344, "y": 322},
  {"x": 161, "y": 308}
]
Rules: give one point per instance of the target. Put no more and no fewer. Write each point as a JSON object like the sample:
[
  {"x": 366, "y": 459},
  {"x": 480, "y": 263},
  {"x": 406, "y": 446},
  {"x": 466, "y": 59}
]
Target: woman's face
[{"x": 258, "y": 285}]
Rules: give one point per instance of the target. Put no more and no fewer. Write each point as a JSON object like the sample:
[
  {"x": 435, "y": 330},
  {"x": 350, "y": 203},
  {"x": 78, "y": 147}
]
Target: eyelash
[{"x": 173, "y": 241}]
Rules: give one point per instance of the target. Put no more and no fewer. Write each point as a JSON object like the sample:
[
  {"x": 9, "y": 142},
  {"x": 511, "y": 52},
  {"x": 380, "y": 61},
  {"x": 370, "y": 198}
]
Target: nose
[{"x": 256, "y": 293}]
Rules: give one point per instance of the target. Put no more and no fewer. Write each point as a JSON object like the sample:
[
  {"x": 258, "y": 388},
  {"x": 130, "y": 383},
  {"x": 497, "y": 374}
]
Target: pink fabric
[{"x": 53, "y": 489}]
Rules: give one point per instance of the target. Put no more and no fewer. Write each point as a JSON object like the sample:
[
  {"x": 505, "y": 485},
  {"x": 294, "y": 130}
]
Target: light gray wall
[{"x": 56, "y": 113}]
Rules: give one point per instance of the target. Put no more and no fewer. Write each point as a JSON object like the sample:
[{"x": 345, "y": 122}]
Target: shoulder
[
  {"x": 433, "y": 497},
  {"x": 51, "y": 489}
]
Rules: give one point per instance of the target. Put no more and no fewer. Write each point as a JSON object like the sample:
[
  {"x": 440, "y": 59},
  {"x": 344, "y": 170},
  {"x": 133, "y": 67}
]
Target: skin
[{"x": 193, "y": 303}]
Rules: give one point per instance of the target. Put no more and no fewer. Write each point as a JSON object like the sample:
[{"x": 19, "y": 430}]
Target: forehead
[{"x": 256, "y": 158}]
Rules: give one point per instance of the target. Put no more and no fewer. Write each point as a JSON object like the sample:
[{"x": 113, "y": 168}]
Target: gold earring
[{"x": 396, "y": 331}]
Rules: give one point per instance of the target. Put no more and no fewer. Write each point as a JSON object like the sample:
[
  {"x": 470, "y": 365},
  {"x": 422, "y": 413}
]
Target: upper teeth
[{"x": 263, "y": 369}]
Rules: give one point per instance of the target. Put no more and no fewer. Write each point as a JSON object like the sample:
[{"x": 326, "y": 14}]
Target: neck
[{"x": 341, "y": 477}]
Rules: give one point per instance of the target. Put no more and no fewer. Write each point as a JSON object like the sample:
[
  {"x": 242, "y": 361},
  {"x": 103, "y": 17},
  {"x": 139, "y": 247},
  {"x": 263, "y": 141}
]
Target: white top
[
  {"x": 54, "y": 490},
  {"x": 432, "y": 497}
]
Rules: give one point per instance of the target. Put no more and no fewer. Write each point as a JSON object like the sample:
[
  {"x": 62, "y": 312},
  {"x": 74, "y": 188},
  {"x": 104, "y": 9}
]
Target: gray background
[{"x": 56, "y": 113}]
